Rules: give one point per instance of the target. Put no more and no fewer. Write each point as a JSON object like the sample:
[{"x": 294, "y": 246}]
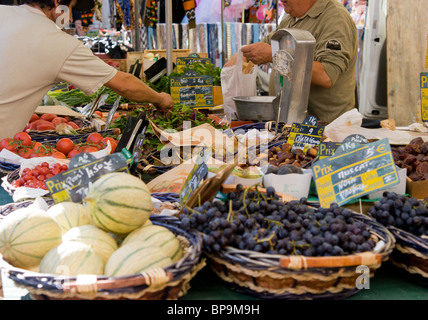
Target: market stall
[{"x": 243, "y": 197}]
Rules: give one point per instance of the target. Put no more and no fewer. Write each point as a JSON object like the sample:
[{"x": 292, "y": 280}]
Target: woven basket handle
[
  {"x": 90, "y": 283},
  {"x": 301, "y": 262}
]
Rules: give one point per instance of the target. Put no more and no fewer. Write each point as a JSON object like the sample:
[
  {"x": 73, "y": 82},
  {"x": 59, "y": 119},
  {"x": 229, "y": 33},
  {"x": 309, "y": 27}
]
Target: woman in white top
[{"x": 36, "y": 54}]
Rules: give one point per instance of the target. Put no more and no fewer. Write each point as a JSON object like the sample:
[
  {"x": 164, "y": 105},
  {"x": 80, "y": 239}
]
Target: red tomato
[
  {"x": 25, "y": 152},
  {"x": 44, "y": 170},
  {"x": 9, "y": 144},
  {"x": 4, "y": 143},
  {"x": 45, "y": 127},
  {"x": 91, "y": 149},
  {"x": 73, "y": 125},
  {"x": 94, "y": 137},
  {"x": 34, "y": 117},
  {"x": 24, "y": 137},
  {"x": 65, "y": 145},
  {"x": 56, "y": 171},
  {"x": 112, "y": 140},
  {"x": 58, "y": 120},
  {"x": 59, "y": 155},
  {"x": 72, "y": 153},
  {"x": 48, "y": 116},
  {"x": 38, "y": 147},
  {"x": 34, "y": 124},
  {"x": 99, "y": 113}
]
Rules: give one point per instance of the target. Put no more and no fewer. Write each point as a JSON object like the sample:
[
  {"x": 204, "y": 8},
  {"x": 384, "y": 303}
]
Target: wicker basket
[
  {"x": 8, "y": 179},
  {"x": 52, "y": 137},
  {"x": 270, "y": 276},
  {"x": 411, "y": 254},
  {"x": 167, "y": 283},
  {"x": 6, "y": 167}
]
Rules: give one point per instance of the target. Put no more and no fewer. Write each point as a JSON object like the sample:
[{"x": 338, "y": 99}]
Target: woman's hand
[{"x": 166, "y": 101}]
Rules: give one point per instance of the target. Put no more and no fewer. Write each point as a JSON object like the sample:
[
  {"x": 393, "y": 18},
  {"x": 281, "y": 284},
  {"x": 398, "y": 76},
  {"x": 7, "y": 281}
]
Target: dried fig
[
  {"x": 412, "y": 148},
  {"x": 312, "y": 152},
  {"x": 402, "y": 156},
  {"x": 300, "y": 156},
  {"x": 410, "y": 159},
  {"x": 282, "y": 156},
  {"x": 424, "y": 148},
  {"x": 422, "y": 168},
  {"x": 414, "y": 176},
  {"x": 418, "y": 141},
  {"x": 286, "y": 147}
]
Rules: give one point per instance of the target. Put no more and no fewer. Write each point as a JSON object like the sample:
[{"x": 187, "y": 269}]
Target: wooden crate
[
  {"x": 175, "y": 53},
  {"x": 119, "y": 64},
  {"x": 406, "y": 53}
]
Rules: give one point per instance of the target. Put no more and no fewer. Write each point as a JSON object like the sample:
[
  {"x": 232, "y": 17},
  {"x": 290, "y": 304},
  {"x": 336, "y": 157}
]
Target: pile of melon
[{"x": 110, "y": 233}]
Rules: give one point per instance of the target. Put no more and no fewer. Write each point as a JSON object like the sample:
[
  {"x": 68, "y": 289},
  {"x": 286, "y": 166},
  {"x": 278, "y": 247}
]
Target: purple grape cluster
[
  {"x": 404, "y": 212},
  {"x": 262, "y": 222}
]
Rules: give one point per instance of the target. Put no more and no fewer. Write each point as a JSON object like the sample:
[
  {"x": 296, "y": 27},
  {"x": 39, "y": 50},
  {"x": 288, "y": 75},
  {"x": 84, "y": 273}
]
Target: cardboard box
[
  {"x": 59, "y": 110},
  {"x": 417, "y": 189},
  {"x": 399, "y": 188},
  {"x": 294, "y": 184},
  {"x": 218, "y": 95}
]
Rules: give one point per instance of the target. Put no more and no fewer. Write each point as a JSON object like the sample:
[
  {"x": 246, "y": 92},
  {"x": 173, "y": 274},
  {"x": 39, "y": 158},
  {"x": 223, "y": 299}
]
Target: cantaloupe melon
[
  {"x": 26, "y": 235},
  {"x": 119, "y": 202},
  {"x": 98, "y": 239},
  {"x": 157, "y": 235},
  {"x": 69, "y": 215},
  {"x": 72, "y": 258},
  {"x": 134, "y": 258}
]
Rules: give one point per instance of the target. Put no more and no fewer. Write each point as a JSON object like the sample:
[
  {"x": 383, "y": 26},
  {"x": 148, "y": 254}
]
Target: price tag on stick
[
  {"x": 198, "y": 173},
  {"x": 134, "y": 127},
  {"x": 112, "y": 112}
]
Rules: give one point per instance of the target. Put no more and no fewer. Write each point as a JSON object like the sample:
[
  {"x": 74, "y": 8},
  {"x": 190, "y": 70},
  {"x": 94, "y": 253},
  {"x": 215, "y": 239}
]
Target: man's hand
[{"x": 258, "y": 53}]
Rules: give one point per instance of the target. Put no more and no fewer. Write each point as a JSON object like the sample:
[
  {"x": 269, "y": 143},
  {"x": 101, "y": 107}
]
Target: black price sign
[
  {"x": 305, "y": 135},
  {"x": 73, "y": 185},
  {"x": 354, "y": 171},
  {"x": 198, "y": 173},
  {"x": 193, "y": 90},
  {"x": 327, "y": 149},
  {"x": 190, "y": 60}
]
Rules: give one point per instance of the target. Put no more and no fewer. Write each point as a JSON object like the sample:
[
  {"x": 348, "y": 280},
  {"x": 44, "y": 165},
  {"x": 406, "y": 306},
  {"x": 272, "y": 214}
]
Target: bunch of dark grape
[
  {"x": 252, "y": 220},
  {"x": 406, "y": 213}
]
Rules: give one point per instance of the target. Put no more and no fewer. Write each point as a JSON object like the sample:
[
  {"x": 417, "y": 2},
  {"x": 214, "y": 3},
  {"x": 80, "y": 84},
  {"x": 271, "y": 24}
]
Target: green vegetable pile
[
  {"x": 77, "y": 97},
  {"x": 174, "y": 119}
]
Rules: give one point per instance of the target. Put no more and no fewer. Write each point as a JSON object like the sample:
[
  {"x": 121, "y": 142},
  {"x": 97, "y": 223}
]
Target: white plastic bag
[{"x": 235, "y": 83}]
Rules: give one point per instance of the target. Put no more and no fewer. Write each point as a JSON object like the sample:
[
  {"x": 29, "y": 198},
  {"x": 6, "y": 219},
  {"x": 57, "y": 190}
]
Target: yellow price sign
[{"x": 424, "y": 96}]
